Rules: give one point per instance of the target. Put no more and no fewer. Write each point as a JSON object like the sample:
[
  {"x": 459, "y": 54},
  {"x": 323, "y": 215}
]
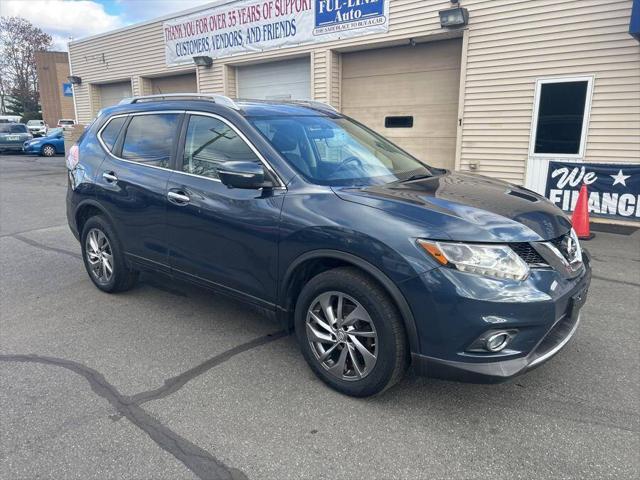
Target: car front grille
[
  {"x": 561, "y": 245},
  {"x": 527, "y": 253}
]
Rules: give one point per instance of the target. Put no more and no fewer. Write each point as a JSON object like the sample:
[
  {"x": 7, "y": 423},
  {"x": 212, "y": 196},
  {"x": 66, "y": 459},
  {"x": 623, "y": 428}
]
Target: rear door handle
[
  {"x": 179, "y": 198},
  {"x": 110, "y": 177}
]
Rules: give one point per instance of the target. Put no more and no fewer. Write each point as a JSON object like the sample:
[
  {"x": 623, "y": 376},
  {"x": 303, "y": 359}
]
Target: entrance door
[
  {"x": 408, "y": 94},
  {"x": 286, "y": 80}
]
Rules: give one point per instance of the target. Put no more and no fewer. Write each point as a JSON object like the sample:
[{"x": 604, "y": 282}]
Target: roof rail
[
  {"x": 212, "y": 97},
  {"x": 312, "y": 103}
]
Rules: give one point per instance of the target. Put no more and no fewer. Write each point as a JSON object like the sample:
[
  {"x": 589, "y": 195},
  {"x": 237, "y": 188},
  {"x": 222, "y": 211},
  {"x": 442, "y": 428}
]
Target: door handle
[
  {"x": 110, "y": 177},
  {"x": 178, "y": 197}
]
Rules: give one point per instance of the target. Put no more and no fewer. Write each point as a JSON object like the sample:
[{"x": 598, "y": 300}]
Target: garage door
[
  {"x": 175, "y": 84},
  {"x": 290, "y": 79},
  {"x": 408, "y": 94},
  {"x": 112, "y": 93}
]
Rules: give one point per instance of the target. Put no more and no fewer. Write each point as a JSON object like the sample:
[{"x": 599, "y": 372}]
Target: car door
[
  {"x": 219, "y": 235},
  {"x": 133, "y": 180}
]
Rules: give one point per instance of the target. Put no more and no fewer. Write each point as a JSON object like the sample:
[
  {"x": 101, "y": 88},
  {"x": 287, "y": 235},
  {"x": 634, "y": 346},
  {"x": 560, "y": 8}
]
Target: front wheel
[
  {"x": 48, "y": 151},
  {"x": 351, "y": 333},
  {"x": 103, "y": 257}
]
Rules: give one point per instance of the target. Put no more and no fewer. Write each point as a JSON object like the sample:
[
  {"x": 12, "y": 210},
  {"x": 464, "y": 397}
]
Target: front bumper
[
  {"x": 496, "y": 372},
  {"x": 544, "y": 310},
  {"x": 31, "y": 149}
]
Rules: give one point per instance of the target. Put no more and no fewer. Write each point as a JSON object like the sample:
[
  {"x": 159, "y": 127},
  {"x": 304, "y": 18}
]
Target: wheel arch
[
  {"x": 87, "y": 209},
  {"x": 312, "y": 263}
]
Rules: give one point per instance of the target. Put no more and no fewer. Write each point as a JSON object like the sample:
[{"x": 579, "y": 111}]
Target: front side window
[
  {"x": 337, "y": 151},
  {"x": 149, "y": 139},
  {"x": 209, "y": 143},
  {"x": 110, "y": 133},
  {"x": 561, "y": 113}
]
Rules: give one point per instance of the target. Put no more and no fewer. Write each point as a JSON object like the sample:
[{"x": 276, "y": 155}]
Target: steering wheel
[{"x": 347, "y": 161}]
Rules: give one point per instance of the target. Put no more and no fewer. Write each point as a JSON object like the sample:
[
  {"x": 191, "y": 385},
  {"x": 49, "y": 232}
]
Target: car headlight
[{"x": 498, "y": 261}]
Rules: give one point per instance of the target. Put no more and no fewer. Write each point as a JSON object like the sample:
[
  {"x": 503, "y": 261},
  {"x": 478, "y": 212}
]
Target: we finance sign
[
  {"x": 614, "y": 188},
  {"x": 255, "y": 26}
]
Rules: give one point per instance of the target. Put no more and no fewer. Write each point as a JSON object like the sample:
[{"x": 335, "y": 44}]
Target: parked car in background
[
  {"x": 66, "y": 123},
  {"x": 37, "y": 128},
  {"x": 47, "y": 146},
  {"x": 13, "y": 136},
  {"x": 374, "y": 257}
]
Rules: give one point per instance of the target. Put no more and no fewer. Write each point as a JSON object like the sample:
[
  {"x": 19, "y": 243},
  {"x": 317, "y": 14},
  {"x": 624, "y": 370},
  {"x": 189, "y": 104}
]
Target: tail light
[{"x": 73, "y": 158}]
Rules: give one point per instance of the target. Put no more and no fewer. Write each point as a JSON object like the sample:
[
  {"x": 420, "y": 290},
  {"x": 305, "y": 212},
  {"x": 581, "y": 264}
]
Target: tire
[
  {"x": 379, "y": 329},
  {"x": 98, "y": 231},
  {"x": 48, "y": 150}
]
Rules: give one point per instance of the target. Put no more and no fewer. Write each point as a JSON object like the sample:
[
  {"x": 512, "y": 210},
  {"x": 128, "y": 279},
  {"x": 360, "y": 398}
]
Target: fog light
[
  {"x": 493, "y": 341},
  {"x": 497, "y": 341}
]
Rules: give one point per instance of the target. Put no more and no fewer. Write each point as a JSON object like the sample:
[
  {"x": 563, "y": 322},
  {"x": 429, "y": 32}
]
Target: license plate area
[{"x": 577, "y": 301}]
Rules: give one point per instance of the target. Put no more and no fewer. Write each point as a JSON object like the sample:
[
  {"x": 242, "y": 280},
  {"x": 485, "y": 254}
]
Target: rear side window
[
  {"x": 19, "y": 128},
  {"x": 149, "y": 139},
  {"x": 209, "y": 144},
  {"x": 110, "y": 133}
]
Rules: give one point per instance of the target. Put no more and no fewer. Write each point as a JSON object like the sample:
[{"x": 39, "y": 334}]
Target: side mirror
[{"x": 242, "y": 174}]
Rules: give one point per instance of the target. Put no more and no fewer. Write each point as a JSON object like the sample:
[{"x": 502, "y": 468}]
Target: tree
[{"x": 19, "y": 40}]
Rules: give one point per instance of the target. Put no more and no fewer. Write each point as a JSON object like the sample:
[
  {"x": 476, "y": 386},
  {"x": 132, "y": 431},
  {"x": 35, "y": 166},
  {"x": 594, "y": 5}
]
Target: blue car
[
  {"x": 47, "y": 146},
  {"x": 375, "y": 259}
]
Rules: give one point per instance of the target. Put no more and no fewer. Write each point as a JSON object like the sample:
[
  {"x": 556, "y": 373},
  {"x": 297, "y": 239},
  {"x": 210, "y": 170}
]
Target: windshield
[
  {"x": 337, "y": 151},
  {"x": 54, "y": 131},
  {"x": 65, "y": 122},
  {"x": 12, "y": 128},
  {"x": 32, "y": 123}
]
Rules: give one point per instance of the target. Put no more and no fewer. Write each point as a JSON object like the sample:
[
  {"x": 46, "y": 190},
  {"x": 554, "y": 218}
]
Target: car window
[
  {"x": 211, "y": 142},
  {"x": 337, "y": 151},
  {"x": 149, "y": 139},
  {"x": 18, "y": 128},
  {"x": 110, "y": 133}
]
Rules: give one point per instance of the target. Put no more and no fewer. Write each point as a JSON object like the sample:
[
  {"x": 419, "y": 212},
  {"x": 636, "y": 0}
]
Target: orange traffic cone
[{"x": 580, "y": 217}]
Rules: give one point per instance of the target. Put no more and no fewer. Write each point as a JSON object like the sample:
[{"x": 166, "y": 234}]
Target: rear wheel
[
  {"x": 48, "y": 151},
  {"x": 103, "y": 257},
  {"x": 351, "y": 333}
]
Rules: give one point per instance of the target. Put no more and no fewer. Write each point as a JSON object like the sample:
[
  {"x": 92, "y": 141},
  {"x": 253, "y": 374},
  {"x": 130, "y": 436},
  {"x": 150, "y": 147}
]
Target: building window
[{"x": 560, "y": 117}]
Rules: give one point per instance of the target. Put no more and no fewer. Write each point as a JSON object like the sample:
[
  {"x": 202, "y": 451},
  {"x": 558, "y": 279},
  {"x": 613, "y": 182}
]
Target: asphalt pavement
[{"x": 169, "y": 381}]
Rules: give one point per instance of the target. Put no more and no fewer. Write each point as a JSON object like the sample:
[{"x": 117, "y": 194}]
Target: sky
[{"x": 63, "y": 19}]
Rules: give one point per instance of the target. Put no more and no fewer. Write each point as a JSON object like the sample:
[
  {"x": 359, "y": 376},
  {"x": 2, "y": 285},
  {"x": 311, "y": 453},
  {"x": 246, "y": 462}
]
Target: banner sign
[
  {"x": 247, "y": 26},
  {"x": 614, "y": 188}
]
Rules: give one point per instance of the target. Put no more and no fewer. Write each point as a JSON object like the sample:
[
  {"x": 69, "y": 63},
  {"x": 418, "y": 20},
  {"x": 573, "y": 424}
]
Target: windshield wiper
[{"x": 417, "y": 176}]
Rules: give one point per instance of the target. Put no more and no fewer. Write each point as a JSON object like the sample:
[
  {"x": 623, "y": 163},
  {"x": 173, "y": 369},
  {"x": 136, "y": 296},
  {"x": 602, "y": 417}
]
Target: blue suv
[{"x": 377, "y": 260}]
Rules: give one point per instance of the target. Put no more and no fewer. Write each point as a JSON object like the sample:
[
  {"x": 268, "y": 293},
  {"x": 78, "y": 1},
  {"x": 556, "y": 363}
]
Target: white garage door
[
  {"x": 408, "y": 94},
  {"x": 112, "y": 93},
  {"x": 287, "y": 80},
  {"x": 175, "y": 84}
]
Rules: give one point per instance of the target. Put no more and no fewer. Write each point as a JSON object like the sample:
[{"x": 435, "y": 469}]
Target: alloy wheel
[
  {"x": 342, "y": 336},
  {"x": 48, "y": 151},
  {"x": 99, "y": 255}
]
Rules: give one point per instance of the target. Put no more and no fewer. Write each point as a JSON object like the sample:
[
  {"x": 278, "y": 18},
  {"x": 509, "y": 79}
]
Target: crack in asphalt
[
  {"x": 195, "y": 458},
  {"x": 42, "y": 246},
  {"x": 172, "y": 385},
  {"x": 39, "y": 229}
]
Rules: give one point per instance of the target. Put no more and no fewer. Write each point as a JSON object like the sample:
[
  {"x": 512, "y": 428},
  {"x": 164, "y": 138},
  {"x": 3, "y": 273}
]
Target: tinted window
[
  {"x": 13, "y": 128},
  {"x": 560, "y": 117},
  {"x": 211, "y": 142},
  {"x": 110, "y": 133},
  {"x": 337, "y": 151},
  {"x": 149, "y": 139}
]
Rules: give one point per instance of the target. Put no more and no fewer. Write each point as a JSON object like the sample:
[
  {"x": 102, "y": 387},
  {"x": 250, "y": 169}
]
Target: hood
[{"x": 466, "y": 207}]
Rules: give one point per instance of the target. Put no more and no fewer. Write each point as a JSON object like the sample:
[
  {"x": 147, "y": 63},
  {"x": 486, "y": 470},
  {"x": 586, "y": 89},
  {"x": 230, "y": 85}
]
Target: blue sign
[
  {"x": 339, "y": 15},
  {"x": 67, "y": 90},
  {"x": 634, "y": 24},
  {"x": 614, "y": 188}
]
